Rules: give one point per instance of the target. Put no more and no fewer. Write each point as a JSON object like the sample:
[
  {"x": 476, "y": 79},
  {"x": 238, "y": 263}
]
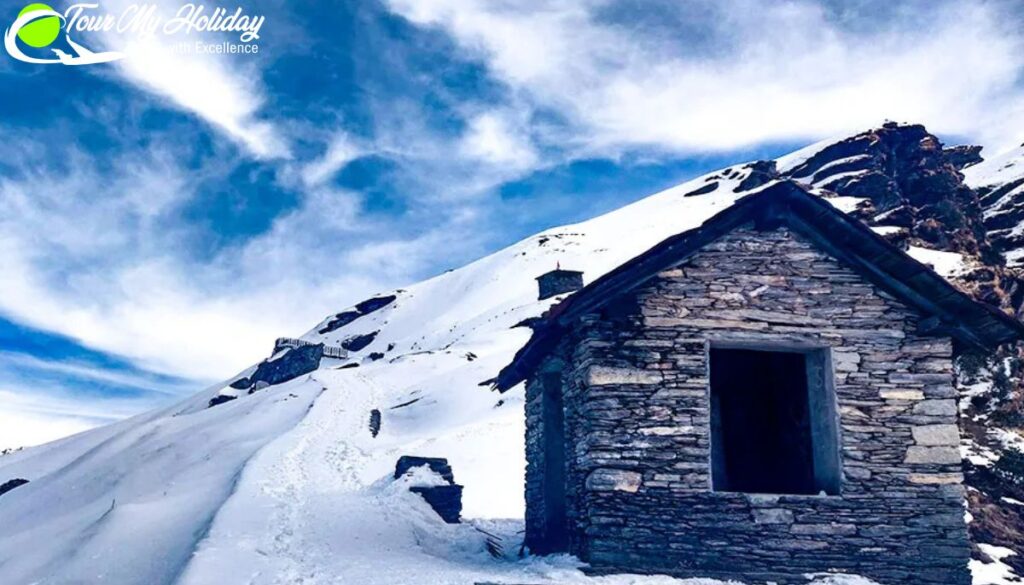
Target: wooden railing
[{"x": 331, "y": 351}]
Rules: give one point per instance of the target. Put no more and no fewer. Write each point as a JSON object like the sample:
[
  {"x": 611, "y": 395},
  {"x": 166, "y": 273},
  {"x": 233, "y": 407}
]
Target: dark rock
[
  {"x": 11, "y": 484},
  {"x": 704, "y": 190},
  {"x": 374, "y": 422},
  {"x": 339, "y": 321},
  {"x": 376, "y": 355},
  {"x": 220, "y": 399},
  {"x": 359, "y": 342},
  {"x": 529, "y": 322},
  {"x": 364, "y": 308},
  {"x": 761, "y": 172},
  {"x": 241, "y": 384},
  {"x": 370, "y": 305},
  {"x": 348, "y": 366},
  {"x": 964, "y": 156},
  {"x": 294, "y": 363}
]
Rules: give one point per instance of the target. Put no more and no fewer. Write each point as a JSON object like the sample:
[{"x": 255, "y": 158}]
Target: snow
[
  {"x": 787, "y": 163},
  {"x": 845, "y": 204},
  {"x": 1009, "y": 439},
  {"x": 946, "y": 264},
  {"x": 996, "y": 170},
  {"x": 996, "y": 572},
  {"x": 287, "y": 485},
  {"x": 828, "y": 181},
  {"x": 885, "y": 230},
  {"x": 979, "y": 455},
  {"x": 141, "y": 491}
]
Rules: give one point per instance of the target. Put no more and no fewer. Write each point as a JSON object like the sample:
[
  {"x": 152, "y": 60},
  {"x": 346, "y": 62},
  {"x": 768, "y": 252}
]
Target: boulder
[
  {"x": 374, "y": 422},
  {"x": 11, "y": 484},
  {"x": 294, "y": 363},
  {"x": 220, "y": 399}
]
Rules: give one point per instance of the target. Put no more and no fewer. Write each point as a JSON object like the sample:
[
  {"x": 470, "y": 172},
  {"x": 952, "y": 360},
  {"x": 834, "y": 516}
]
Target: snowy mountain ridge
[{"x": 286, "y": 484}]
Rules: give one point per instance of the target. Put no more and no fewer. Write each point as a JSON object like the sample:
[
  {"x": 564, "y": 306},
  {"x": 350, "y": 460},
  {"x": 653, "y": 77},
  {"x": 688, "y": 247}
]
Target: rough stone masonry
[{"x": 634, "y": 381}]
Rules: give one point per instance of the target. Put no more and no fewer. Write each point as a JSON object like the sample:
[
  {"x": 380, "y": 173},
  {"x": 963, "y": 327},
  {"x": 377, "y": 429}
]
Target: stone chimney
[{"x": 559, "y": 281}]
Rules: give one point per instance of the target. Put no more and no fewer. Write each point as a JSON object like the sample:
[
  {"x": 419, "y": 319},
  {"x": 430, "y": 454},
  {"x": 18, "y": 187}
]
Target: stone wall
[
  {"x": 557, "y": 282},
  {"x": 635, "y": 391}
]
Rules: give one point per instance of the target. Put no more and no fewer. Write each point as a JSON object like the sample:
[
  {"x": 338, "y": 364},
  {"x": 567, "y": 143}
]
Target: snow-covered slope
[
  {"x": 288, "y": 485},
  {"x": 1000, "y": 182},
  {"x": 247, "y": 483}
]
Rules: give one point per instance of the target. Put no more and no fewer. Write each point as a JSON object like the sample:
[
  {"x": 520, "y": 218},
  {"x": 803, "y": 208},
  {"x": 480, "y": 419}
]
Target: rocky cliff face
[
  {"x": 999, "y": 181},
  {"x": 914, "y": 191},
  {"x": 915, "y": 194}
]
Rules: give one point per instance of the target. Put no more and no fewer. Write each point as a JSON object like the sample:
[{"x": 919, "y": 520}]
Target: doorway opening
[
  {"x": 773, "y": 422},
  {"x": 556, "y": 537}
]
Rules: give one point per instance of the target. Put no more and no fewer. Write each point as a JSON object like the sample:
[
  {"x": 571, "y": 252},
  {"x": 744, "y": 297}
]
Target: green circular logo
[{"x": 40, "y": 32}]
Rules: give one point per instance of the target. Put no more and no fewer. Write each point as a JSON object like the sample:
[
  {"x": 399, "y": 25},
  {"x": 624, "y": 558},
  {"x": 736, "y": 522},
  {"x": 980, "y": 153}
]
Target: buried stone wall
[{"x": 636, "y": 406}]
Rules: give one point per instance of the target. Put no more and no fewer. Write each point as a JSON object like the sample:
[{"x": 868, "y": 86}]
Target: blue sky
[{"x": 165, "y": 217}]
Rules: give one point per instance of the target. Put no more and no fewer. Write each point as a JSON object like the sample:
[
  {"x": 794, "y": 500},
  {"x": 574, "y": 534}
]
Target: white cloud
[
  {"x": 103, "y": 258},
  {"x": 25, "y": 429},
  {"x": 493, "y": 138},
  {"x": 225, "y": 91},
  {"x": 756, "y": 72},
  {"x": 341, "y": 150},
  {"x": 86, "y": 371},
  {"x": 34, "y": 415}
]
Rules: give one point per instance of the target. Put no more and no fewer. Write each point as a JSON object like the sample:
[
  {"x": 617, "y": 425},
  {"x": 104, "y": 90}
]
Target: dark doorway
[
  {"x": 556, "y": 537},
  {"x": 773, "y": 424}
]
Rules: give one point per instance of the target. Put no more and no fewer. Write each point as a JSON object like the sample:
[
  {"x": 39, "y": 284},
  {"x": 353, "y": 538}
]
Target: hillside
[{"x": 286, "y": 483}]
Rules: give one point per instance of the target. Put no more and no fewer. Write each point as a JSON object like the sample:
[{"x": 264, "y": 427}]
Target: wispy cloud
[
  {"x": 94, "y": 373},
  {"x": 494, "y": 138},
  {"x": 341, "y": 150},
  {"x": 223, "y": 90},
  {"x": 225, "y": 93},
  {"x": 739, "y": 72}
]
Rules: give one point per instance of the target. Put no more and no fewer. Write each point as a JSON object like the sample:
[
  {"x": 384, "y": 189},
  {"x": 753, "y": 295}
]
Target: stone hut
[
  {"x": 766, "y": 396},
  {"x": 558, "y": 281}
]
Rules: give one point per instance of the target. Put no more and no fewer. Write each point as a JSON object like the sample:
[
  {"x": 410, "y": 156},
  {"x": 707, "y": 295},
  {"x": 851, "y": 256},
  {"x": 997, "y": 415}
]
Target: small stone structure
[
  {"x": 558, "y": 281},
  {"x": 766, "y": 396},
  {"x": 446, "y": 500}
]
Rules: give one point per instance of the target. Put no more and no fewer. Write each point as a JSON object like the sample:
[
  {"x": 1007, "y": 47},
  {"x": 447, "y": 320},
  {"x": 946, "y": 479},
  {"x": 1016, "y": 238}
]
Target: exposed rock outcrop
[
  {"x": 375, "y": 420},
  {"x": 220, "y": 399},
  {"x": 361, "y": 309},
  {"x": 293, "y": 363},
  {"x": 11, "y": 484}
]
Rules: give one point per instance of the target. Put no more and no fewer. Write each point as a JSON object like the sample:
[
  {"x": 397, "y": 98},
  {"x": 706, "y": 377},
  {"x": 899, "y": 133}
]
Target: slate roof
[{"x": 947, "y": 310}]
